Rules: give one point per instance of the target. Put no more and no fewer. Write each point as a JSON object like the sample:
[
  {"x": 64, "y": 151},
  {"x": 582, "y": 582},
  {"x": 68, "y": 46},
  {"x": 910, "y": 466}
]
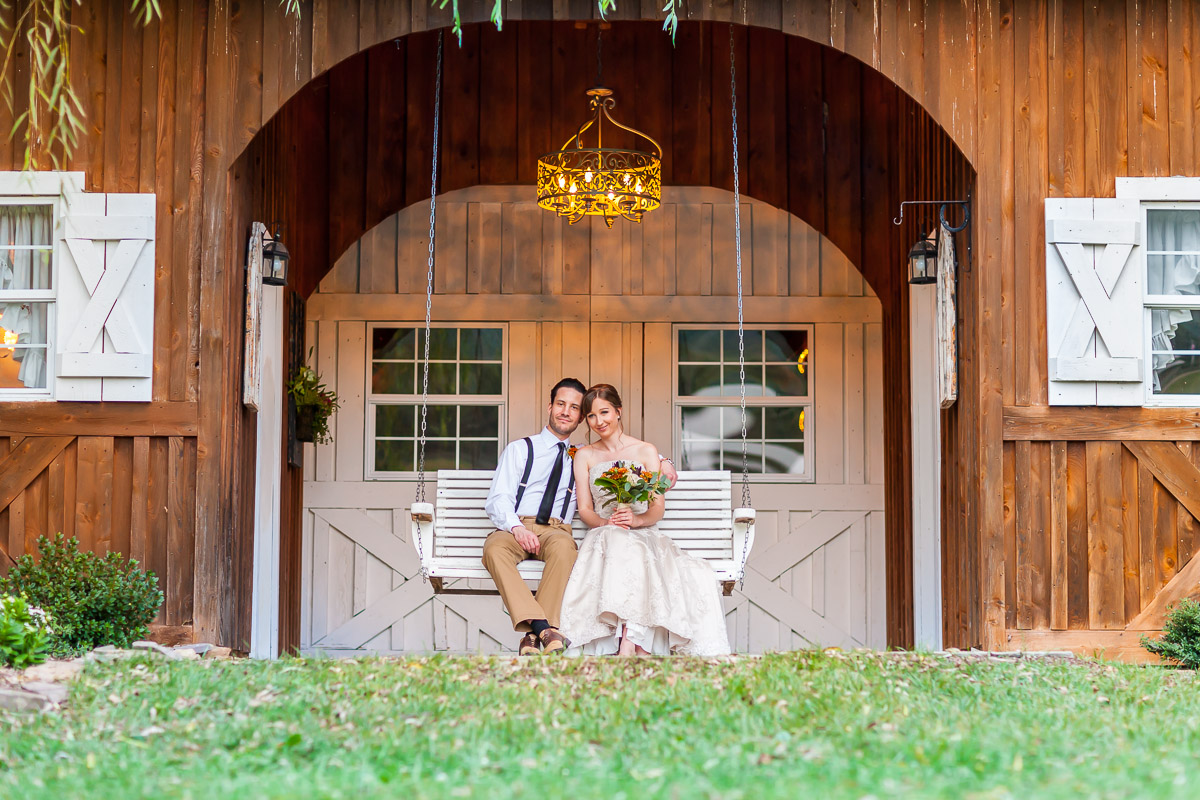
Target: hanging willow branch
[{"x": 51, "y": 116}]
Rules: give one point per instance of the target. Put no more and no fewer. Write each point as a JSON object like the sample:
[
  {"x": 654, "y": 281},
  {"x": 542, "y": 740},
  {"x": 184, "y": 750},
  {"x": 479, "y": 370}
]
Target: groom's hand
[
  {"x": 669, "y": 472},
  {"x": 527, "y": 539}
]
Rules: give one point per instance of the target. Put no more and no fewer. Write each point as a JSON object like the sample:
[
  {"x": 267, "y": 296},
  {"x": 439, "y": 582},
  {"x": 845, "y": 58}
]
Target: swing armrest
[
  {"x": 743, "y": 536},
  {"x": 422, "y": 531}
]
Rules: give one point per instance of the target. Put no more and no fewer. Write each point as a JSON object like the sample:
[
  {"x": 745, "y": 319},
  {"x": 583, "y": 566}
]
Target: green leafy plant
[
  {"x": 315, "y": 398},
  {"x": 94, "y": 600},
  {"x": 24, "y": 632},
  {"x": 1181, "y": 635}
]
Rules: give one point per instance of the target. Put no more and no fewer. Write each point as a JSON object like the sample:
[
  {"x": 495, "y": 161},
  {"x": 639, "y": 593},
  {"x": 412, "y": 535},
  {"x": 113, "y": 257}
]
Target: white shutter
[
  {"x": 1094, "y": 302},
  {"x": 105, "y": 299}
]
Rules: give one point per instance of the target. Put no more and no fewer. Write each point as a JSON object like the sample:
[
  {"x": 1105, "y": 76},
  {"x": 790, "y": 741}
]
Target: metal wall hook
[{"x": 965, "y": 205}]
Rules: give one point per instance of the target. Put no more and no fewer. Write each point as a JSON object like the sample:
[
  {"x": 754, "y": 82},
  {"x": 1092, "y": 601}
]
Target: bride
[{"x": 633, "y": 591}]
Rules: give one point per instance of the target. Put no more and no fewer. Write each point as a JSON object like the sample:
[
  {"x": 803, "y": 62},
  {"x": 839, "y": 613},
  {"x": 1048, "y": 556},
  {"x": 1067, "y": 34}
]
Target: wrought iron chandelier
[{"x": 577, "y": 181}]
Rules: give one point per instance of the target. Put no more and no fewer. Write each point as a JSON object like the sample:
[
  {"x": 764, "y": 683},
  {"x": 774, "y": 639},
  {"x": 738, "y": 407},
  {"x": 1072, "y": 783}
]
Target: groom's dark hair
[{"x": 567, "y": 383}]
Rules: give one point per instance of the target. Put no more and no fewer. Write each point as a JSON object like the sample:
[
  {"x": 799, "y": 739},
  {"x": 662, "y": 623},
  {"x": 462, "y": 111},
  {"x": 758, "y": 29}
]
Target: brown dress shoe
[
  {"x": 530, "y": 646},
  {"x": 553, "y": 641}
]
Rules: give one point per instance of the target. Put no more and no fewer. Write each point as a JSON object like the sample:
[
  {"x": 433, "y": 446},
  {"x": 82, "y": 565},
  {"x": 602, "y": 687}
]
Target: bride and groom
[{"x": 628, "y": 589}]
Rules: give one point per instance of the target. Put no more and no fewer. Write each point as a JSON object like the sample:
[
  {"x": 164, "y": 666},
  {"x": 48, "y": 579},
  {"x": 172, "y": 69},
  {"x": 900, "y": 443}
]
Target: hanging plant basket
[
  {"x": 305, "y": 416},
  {"x": 315, "y": 404}
]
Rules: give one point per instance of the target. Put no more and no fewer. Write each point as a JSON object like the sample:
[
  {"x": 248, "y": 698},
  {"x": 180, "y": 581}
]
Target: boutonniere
[{"x": 571, "y": 451}]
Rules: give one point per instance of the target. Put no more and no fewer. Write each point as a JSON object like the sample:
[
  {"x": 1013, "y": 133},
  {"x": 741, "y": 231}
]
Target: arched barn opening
[{"x": 829, "y": 150}]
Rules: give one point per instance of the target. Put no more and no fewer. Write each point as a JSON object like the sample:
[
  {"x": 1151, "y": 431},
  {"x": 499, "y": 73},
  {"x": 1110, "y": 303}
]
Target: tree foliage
[{"x": 47, "y": 114}]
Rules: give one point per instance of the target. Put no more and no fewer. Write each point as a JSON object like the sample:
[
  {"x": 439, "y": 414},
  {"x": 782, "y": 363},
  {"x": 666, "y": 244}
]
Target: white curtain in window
[
  {"x": 1173, "y": 231},
  {"x": 22, "y": 270}
]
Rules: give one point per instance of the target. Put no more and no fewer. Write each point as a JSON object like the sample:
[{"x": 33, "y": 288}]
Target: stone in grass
[
  {"x": 19, "y": 700},
  {"x": 155, "y": 647},
  {"x": 199, "y": 648},
  {"x": 218, "y": 652},
  {"x": 53, "y": 671},
  {"x": 54, "y": 692}
]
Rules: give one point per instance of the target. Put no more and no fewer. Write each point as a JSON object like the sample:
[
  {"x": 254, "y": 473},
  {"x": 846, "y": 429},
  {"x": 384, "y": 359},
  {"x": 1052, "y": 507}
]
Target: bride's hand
[{"x": 622, "y": 518}]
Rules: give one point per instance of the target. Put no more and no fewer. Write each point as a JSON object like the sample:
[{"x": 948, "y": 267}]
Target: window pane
[
  {"x": 395, "y": 421},
  {"x": 702, "y": 423},
  {"x": 480, "y": 421},
  {"x": 393, "y": 378},
  {"x": 440, "y": 455},
  {"x": 1173, "y": 229},
  {"x": 24, "y": 269},
  {"x": 24, "y": 323},
  {"x": 441, "y": 421},
  {"x": 441, "y": 379},
  {"x": 1175, "y": 374},
  {"x": 1173, "y": 274},
  {"x": 482, "y": 344},
  {"x": 22, "y": 367},
  {"x": 394, "y": 456},
  {"x": 699, "y": 380},
  {"x": 443, "y": 344},
  {"x": 785, "y": 423},
  {"x": 754, "y": 381},
  {"x": 786, "y": 345},
  {"x": 699, "y": 345},
  {"x": 480, "y": 379},
  {"x": 786, "y": 381},
  {"x": 784, "y": 458},
  {"x": 394, "y": 343},
  {"x": 478, "y": 455},
  {"x": 754, "y": 346},
  {"x": 26, "y": 225},
  {"x": 1174, "y": 329}
]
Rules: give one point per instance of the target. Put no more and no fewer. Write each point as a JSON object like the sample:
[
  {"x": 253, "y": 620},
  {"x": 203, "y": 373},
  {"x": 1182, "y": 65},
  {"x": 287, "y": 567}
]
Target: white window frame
[
  {"x": 50, "y": 295},
  {"x": 1151, "y": 302},
  {"x": 374, "y": 400},
  {"x": 1159, "y": 193},
  {"x": 678, "y": 402}
]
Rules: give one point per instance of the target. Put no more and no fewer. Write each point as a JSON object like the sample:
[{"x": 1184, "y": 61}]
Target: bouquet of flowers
[{"x": 628, "y": 483}]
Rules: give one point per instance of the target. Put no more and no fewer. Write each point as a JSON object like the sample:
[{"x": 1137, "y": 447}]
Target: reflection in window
[
  {"x": 1173, "y": 276},
  {"x": 778, "y": 406},
  {"x": 466, "y": 397}
]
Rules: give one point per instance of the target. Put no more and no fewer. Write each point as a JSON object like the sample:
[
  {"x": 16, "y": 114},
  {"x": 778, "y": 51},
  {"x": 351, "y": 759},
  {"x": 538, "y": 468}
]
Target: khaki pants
[{"x": 502, "y": 554}]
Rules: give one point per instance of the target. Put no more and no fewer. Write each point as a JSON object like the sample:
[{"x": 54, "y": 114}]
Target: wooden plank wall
[
  {"x": 832, "y": 159},
  {"x": 818, "y": 571},
  {"x": 1044, "y": 99}
]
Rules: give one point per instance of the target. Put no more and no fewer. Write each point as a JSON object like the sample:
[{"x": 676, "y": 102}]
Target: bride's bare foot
[
  {"x": 626, "y": 647},
  {"x": 638, "y": 650}
]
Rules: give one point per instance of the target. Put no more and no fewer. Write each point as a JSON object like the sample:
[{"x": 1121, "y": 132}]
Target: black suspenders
[
  {"x": 525, "y": 477},
  {"x": 525, "y": 481}
]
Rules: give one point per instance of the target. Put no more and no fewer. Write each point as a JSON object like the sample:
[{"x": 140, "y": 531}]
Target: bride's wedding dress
[{"x": 640, "y": 581}]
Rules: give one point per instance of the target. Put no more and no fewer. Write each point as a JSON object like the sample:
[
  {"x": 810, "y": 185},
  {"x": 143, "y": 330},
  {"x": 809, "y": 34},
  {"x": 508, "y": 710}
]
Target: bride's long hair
[{"x": 601, "y": 391}]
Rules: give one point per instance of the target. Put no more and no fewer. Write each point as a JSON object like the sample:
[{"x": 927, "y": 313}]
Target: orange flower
[{"x": 571, "y": 451}]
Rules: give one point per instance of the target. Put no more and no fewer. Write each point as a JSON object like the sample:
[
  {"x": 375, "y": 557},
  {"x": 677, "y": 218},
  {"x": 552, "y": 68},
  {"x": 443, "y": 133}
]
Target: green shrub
[
  {"x": 94, "y": 600},
  {"x": 1181, "y": 635},
  {"x": 24, "y": 632}
]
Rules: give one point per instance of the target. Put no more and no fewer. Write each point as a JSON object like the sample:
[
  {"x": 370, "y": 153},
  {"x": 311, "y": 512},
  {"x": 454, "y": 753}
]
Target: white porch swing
[{"x": 699, "y": 514}]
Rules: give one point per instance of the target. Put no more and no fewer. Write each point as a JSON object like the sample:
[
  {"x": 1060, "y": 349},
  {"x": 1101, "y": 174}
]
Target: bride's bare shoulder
[{"x": 644, "y": 452}]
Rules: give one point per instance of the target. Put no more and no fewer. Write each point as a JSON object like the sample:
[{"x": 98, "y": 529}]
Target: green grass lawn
[{"x": 798, "y": 725}]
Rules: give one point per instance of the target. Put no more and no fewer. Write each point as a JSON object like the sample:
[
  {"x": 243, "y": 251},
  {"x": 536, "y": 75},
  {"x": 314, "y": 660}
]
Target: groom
[{"x": 531, "y": 503}]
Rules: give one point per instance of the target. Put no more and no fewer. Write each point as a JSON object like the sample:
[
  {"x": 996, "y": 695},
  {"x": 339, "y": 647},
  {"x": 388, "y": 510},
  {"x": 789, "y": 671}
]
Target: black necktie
[{"x": 543, "y": 515}]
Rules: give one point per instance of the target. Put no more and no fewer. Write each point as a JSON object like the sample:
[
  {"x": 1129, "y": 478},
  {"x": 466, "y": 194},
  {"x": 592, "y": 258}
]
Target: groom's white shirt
[{"x": 503, "y": 494}]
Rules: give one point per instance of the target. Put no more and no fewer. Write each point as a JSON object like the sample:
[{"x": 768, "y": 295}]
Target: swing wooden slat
[{"x": 699, "y": 516}]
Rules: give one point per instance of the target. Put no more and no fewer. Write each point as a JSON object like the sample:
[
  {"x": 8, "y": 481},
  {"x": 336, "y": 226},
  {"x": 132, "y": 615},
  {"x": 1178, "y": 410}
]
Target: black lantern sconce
[
  {"x": 275, "y": 259},
  {"x": 922, "y": 261},
  {"x": 922, "y": 258}
]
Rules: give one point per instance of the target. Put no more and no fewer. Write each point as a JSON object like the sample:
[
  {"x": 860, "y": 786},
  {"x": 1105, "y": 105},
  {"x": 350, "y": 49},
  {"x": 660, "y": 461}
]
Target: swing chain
[
  {"x": 737, "y": 227},
  {"x": 437, "y": 108}
]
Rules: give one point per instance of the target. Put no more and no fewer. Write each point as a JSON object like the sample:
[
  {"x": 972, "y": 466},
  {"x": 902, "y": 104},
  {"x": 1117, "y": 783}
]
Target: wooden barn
[{"x": 1052, "y": 503}]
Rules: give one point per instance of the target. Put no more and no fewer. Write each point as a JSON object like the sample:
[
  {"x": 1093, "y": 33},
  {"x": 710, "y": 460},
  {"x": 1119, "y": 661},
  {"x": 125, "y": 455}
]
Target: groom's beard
[{"x": 554, "y": 425}]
